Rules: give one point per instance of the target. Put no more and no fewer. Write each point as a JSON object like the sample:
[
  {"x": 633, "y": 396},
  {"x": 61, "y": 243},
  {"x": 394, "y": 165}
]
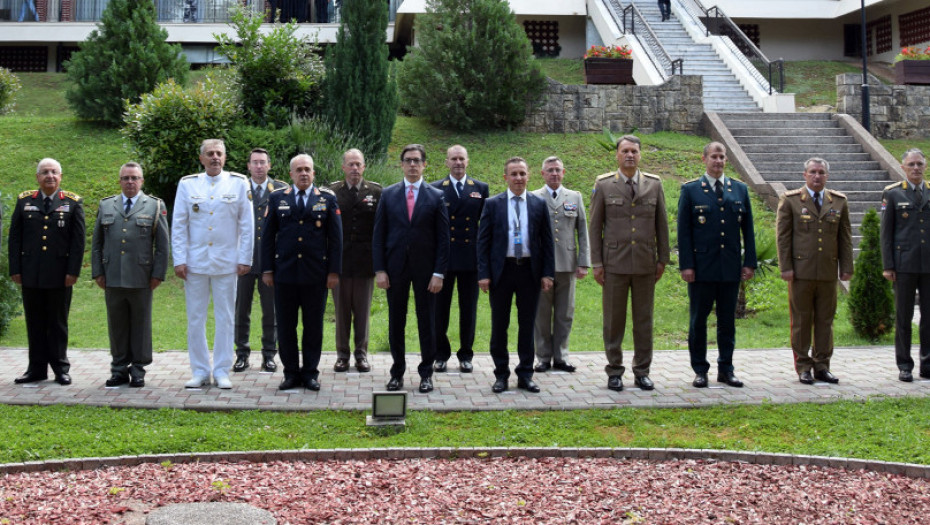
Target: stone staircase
[
  {"x": 722, "y": 90},
  {"x": 777, "y": 144}
]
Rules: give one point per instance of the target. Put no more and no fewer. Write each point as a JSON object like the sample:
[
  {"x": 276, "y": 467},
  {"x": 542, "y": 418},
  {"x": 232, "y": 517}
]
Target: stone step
[
  {"x": 801, "y": 157},
  {"x": 782, "y": 123},
  {"x": 728, "y": 117},
  {"x": 812, "y": 150},
  {"x": 873, "y": 186},
  {"x": 788, "y": 132},
  {"x": 839, "y": 169},
  {"x": 768, "y": 139}
]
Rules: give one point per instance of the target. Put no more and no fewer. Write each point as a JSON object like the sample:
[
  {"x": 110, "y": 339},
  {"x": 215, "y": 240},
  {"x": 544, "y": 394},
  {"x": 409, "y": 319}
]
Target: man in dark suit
[
  {"x": 358, "y": 199},
  {"x": 129, "y": 259},
  {"x": 46, "y": 248},
  {"x": 262, "y": 186},
  {"x": 464, "y": 198},
  {"x": 713, "y": 211},
  {"x": 906, "y": 259},
  {"x": 410, "y": 247},
  {"x": 302, "y": 256},
  {"x": 515, "y": 257}
]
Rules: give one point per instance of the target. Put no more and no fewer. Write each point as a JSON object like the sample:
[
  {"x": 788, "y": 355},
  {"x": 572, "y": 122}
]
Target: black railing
[{"x": 634, "y": 24}]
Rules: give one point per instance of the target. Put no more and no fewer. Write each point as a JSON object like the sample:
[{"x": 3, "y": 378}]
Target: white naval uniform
[{"x": 212, "y": 233}]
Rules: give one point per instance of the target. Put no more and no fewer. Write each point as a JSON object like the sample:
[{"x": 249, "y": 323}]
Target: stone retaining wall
[
  {"x": 896, "y": 112},
  {"x": 676, "y": 106}
]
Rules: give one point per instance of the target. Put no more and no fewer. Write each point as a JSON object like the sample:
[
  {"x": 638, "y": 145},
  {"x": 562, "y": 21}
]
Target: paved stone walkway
[{"x": 768, "y": 374}]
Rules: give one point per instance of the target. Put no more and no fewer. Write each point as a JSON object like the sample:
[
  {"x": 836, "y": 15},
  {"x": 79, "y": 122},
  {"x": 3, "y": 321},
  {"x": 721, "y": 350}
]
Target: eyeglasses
[
  {"x": 132, "y": 178},
  {"x": 412, "y": 162}
]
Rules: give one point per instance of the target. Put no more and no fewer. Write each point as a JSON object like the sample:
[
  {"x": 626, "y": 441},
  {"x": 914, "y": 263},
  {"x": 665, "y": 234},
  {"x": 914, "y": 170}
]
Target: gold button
[
  {"x": 820, "y": 231},
  {"x": 300, "y": 256},
  {"x": 722, "y": 234},
  {"x": 632, "y": 217},
  {"x": 820, "y": 239},
  {"x": 122, "y": 253},
  {"x": 259, "y": 228},
  {"x": 467, "y": 218},
  {"x": 468, "y": 229},
  {"x": 124, "y": 230},
  {"x": 209, "y": 244},
  {"x": 633, "y": 230},
  {"x": 820, "y": 249},
  {"x": 556, "y": 230},
  {"x": 44, "y": 237},
  {"x": 452, "y": 239},
  {"x": 44, "y": 248},
  {"x": 467, "y": 241},
  {"x": 45, "y": 227},
  {"x": 452, "y": 217},
  {"x": 300, "y": 222},
  {"x": 210, "y": 228},
  {"x": 300, "y": 239},
  {"x": 125, "y": 220},
  {"x": 211, "y": 213},
  {"x": 258, "y": 238},
  {"x": 556, "y": 239},
  {"x": 722, "y": 221},
  {"x": 123, "y": 241},
  {"x": 721, "y": 208},
  {"x": 452, "y": 229},
  {"x": 632, "y": 242},
  {"x": 211, "y": 197},
  {"x": 46, "y": 217},
  {"x": 721, "y": 246},
  {"x": 633, "y": 204}
]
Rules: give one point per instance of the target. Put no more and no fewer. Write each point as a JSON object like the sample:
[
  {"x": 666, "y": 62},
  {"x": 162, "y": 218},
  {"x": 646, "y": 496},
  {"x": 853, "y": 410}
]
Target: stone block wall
[
  {"x": 896, "y": 112},
  {"x": 676, "y": 106}
]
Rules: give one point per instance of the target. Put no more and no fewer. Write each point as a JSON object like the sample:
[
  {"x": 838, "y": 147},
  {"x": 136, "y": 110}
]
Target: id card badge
[{"x": 517, "y": 238}]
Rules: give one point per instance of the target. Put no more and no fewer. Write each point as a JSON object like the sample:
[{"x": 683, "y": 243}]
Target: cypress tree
[
  {"x": 361, "y": 94},
  {"x": 871, "y": 303},
  {"x": 125, "y": 57}
]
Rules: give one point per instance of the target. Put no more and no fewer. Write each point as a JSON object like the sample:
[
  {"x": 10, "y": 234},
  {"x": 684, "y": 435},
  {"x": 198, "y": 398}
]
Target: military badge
[
  {"x": 884, "y": 204},
  {"x": 805, "y": 211},
  {"x": 702, "y": 219},
  {"x": 570, "y": 206},
  {"x": 475, "y": 195},
  {"x": 904, "y": 215},
  {"x": 196, "y": 207},
  {"x": 319, "y": 224}
]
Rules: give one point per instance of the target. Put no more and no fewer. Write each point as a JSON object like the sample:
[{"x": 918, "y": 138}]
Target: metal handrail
[
  {"x": 769, "y": 73},
  {"x": 657, "y": 54}
]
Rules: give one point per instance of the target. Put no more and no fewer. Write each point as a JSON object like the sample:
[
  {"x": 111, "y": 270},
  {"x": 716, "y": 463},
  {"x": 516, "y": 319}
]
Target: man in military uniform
[
  {"x": 629, "y": 251},
  {"x": 906, "y": 259},
  {"x": 814, "y": 240},
  {"x": 262, "y": 186},
  {"x": 358, "y": 199},
  {"x": 129, "y": 259},
  {"x": 464, "y": 197},
  {"x": 713, "y": 211},
  {"x": 46, "y": 248},
  {"x": 572, "y": 260},
  {"x": 301, "y": 258},
  {"x": 211, "y": 242}
]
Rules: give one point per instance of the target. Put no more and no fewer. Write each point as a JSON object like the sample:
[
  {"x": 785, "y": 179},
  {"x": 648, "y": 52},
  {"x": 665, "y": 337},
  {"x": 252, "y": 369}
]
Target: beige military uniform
[
  {"x": 628, "y": 237},
  {"x": 815, "y": 245}
]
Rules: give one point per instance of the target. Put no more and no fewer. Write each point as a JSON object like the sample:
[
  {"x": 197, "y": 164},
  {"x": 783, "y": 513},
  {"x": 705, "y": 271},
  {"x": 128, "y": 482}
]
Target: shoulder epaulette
[
  {"x": 650, "y": 175},
  {"x": 373, "y": 183},
  {"x": 837, "y": 193},
  {"x": 894, "y": 185},
  {"x": 71, "y": 195},
  {"x": 111, "y": 197},
  {"x": 794, "y": 192},
  {"x": 445, "y": 182},
  {"x": 327, "y": 190},
  {"x": 606, "y": 175},
  {"x": 275, "y": 184},
  {"x": 26, "y": 193},
  {"x": 238, "y": 175},
  {"x": 191, "y": 176},
  {"x": 470, "y": 182},
  {"x": 336, "y": 185},
  {"x": 691, "y": 181}
]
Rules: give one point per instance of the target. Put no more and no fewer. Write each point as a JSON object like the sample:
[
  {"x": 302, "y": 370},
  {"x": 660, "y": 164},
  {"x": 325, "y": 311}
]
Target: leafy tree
[
  {"x": 871, "y": 303},
  {"x": 280, "y": 75},
  {"x": 9, "y": 85},
  {"x": 361, "y": 94},
  {"x": 473, "y": 68},
  {"x": 126, "y": 56}
]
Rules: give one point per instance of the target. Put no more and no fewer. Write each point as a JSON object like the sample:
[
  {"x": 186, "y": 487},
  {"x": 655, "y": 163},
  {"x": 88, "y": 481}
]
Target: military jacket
[
  {"x": 260, "y": 206},
  {"x": 358, "y": 223},
  {"x": 45, "y": 247},
  {"x": 569, "y": 228},
  {"x": 814, "y": 244},
  {"x": 464, "y": 213},
  {"x": 130, "y": 249},
  {"x": 905, "y": 229}
]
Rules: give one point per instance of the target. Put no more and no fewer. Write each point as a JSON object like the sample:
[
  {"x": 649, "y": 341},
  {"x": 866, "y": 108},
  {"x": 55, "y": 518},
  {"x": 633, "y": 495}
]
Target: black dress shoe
[
  {"x": 806, "y": 378},
  {"x": 136, "y": 382},
  {"x": 730, "y": 379},
  {"x": 700, "y": 381},
  {"x": 563, "y": 366},
  {"x": 63, "y": 379},
  {"x": 825, "y": 376},
  {"x": 268, "y": 365},
  {"x": 466, "y": 367},
  {"x": 499, "y": 386},
  {"x": 440, "y": 366},
  {"x": 116, "y": 380},
  {"x": 906, "y": 376},
  {"x": 312, "y": 384},
  {"x": 644, "y": 383},
  {"x": 528, "y": 384},
  {"x": 241, "y": 364},
  {"x": 426, "y": 385},
  {"x": 290, "y": 383},
  {"x": 362, "y": 365},
  {"x": 615, "y": 383},
  {"x": 542, "y": 366},
  {"x": 29, "y": 378},
  {"x": 342, "y": 365},
  {"x": 396, "y": 383}
]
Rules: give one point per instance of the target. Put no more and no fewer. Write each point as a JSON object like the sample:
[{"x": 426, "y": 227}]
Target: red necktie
[{"x": 410, "y": 201}]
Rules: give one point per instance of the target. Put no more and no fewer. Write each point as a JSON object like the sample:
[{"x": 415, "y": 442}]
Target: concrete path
[{"x": 768, "y": 374}]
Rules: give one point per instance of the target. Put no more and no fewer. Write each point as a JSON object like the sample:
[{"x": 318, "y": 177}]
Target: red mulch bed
[{"x": 521, "y": 490}]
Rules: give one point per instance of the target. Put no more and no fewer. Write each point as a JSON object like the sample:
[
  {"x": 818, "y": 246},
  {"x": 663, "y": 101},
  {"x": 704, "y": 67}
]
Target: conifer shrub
[
  {"x": 9, "y": 85},
  {"x": 871, "y": 302}
]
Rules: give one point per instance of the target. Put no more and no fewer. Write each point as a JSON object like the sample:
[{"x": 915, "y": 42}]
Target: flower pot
[
  {"x": 912, "y": 72},
  {"x": 608, "y": 71}
]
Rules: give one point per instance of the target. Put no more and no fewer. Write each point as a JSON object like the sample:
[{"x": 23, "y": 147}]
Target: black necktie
[
  {"x": 632, "y": 189},
  {"x": 48, "y": 204},
  {"x": 817, "y": 200},
  {"x": 555, "y": 195},
  {"x": 128, "y": 205},
  {"x": 459, "y": 188},
  {"x": 718, "y": 189},
  {"x": 300, "y": 201},
  {"x": 258, "y": 193}
]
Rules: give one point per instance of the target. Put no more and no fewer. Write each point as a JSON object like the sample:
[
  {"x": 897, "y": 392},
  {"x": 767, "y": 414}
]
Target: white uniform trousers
[{"x": 197, "y": 291}]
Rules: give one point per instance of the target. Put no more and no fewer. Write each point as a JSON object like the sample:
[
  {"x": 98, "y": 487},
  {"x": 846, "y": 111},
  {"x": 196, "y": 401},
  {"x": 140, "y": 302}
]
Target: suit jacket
[
  {"x": 567, "y": 216},
  {"x": 130, "y": 249},
  {"x": 43, "y": 249},
  {"x": 814, "y": 244},
  {"x": 905, "y": 240},
  {"x": 464, "y": 213},
  {"x": 709, "y": 231},
  {"x": 418, "y": 245},
  {"x": 302, "y": 247},
  {"x": 628, "y": 237},
  {"x": 494, "y": 238},
  {"x": 260, "y": 207},
  {"x": 358, "y": 224}
]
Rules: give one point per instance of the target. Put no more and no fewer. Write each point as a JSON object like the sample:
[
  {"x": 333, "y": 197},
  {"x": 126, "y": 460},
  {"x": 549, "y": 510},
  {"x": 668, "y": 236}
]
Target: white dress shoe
[
  {"x": 196, "y": 382},
  {"x": 223, "y": 382}
]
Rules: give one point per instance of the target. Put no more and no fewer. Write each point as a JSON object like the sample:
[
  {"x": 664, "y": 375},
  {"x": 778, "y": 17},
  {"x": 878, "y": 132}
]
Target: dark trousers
[
  {"x": 468, "y": 314},
  {"x": 665, "y": 7},
  {"x": 904, "y": 288},
  {"x": 398, "y": 295},
  {"x": 352, "y": 305},
  {"x": 515, "y": 280},
  {"x": 46, "y": 311},
  {"x": 702, "y": 297},
  {"x": 245, "y": 289},
  {"x": 310, "y": 299},
  {"x": 129, "y": 322}
]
